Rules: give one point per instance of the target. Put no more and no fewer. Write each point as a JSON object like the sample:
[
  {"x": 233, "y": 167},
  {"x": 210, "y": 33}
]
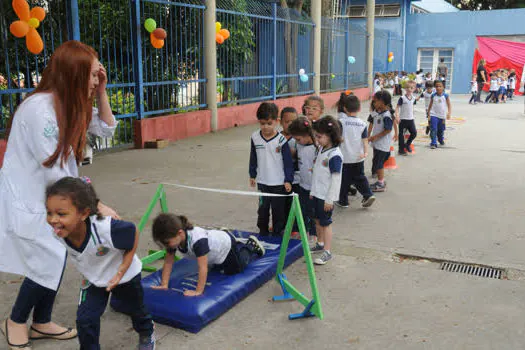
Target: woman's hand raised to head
[{"x": 102, "y": 80}]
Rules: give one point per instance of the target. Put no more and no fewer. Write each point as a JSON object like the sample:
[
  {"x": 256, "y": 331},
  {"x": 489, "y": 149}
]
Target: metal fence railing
[
  {"x": 343, "y": 57},
  {"x": 261, "y": 60},
  {"x": 267, "y": 48}
]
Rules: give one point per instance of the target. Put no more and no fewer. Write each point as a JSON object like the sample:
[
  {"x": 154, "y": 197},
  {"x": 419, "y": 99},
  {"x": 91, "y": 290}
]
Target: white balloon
[{"x": 301, "y": 71}]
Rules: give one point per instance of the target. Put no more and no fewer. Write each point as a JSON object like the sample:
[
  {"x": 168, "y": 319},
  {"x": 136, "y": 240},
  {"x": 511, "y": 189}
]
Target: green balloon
[{"x": 150, "y": 25}]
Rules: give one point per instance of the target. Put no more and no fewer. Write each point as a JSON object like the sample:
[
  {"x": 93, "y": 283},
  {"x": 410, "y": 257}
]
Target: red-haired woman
[{"x": 45, "y": 144}]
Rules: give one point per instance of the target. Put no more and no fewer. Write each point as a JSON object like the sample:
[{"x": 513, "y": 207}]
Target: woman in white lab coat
[{"x": 45, "y": 143}]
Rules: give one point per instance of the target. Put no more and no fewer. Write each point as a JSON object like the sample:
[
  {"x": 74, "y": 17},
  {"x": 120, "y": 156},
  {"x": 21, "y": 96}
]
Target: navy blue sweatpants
[{"x": 93, "y": 302}]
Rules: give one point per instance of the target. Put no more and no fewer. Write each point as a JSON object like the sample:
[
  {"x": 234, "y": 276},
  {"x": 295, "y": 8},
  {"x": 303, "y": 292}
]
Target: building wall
[{"x": 458, "y": 31}]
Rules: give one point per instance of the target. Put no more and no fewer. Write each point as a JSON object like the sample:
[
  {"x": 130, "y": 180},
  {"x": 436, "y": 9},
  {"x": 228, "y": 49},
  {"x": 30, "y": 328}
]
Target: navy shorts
[
  {"x": 324, "y": 217},
  {"x": 380, "y": 157}
]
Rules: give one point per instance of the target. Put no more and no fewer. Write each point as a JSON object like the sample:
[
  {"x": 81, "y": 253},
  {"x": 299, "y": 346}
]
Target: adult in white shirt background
[{"x": 45, "y": 143}]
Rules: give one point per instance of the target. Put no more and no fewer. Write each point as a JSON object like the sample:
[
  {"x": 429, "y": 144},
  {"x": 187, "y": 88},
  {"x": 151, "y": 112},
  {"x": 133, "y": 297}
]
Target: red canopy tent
[{"x": 501, "y": 54}]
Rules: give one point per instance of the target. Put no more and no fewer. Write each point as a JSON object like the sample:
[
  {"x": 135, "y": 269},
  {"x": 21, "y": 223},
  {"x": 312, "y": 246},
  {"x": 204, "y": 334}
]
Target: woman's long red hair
[{"x": 67, "y": 76}]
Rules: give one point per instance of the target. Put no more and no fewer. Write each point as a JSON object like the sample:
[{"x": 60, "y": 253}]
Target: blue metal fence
[
  {"x": 342, "y": 41},
  {"x": 267, "y": 48}
]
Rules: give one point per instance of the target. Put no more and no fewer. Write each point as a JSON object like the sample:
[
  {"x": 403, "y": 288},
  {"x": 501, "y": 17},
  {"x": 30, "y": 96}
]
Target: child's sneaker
[
  {"x": 342, "y": 205},
  {"x": 147, "y": 342},
  {"x": 323, "y": 259},
  {"x": 433, "y": 146},
  {"x": 402, "y": 153},
  {"x": 378, "y": 187},
  {"x": 255, "y": 245},
  {"x": 317, "y": 248},
  {"x": 353, "y": 190},
  {"x": 367, "y": 202},
  {"x": 442, "y": 143}
]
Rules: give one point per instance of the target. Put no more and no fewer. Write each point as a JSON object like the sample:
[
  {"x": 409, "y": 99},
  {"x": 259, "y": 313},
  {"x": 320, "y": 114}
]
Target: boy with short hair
[
  {"x": 271, "y": 168},
  {"x": 355, "y": 151},
  {"x": 438, "y": 109},
  {"x": 405, "y": 116}
]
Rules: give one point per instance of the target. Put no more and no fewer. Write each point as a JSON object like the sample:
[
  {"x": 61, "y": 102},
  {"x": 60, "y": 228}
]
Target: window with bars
[{"x": 359, "y": 11}]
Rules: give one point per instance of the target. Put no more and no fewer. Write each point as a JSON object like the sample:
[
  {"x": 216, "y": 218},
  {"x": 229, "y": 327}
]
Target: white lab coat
[{"x": 28, "y": 245}]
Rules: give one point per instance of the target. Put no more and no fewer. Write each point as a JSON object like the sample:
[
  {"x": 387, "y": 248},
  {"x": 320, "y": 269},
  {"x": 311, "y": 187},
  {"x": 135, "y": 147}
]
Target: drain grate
[{"x": 475, "y": 270}]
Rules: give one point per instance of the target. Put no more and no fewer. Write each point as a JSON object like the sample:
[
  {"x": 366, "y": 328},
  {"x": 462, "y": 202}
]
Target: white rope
[{"x": 241, "y": 193}]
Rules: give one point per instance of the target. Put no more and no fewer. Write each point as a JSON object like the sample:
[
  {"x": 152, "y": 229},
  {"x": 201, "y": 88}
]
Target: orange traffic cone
[{"x": 391, "y": 161}]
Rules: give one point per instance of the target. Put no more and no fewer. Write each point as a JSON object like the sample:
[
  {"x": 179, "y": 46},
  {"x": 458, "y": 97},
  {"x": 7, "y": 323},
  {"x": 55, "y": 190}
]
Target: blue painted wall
[
  {"x": 458, "y": 31},
  {"x": 382, "y": 44}
]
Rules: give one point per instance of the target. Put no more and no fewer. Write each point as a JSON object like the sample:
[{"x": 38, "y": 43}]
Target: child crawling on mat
[{"x": 216, "y": 248}]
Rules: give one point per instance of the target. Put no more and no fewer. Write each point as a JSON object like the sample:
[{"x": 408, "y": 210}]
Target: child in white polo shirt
[
  {"x": 103, "y": 251},
  {"x": 355, "y": 151},
  {"x": 439, "y": 109}
]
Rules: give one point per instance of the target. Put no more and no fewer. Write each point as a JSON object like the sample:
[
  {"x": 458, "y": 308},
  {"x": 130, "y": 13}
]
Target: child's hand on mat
[
  {"x": 288, "y": 187},
  {"x": 328, "y": 207},
  {"x": 252, "y": 182},
  {"x": 161, "y": 287},
  {"x": 114, "y": 281},
  {"x": 191, "y": 293}
]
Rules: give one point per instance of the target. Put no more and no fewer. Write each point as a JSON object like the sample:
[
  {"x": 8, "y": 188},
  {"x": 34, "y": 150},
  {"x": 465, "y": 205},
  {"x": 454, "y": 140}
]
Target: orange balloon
[
  {"x": 21, "y": 8},
  {"x": 160, "y": 33},
  {"x": 34, "y": 41},
  {"x": 156, "y": 43},
  {"x": 19, "y": 28},
  {"x": 219, "y": 38},
  {"x": 38, "y": 13},
  {"x": 225, "y": 33}
]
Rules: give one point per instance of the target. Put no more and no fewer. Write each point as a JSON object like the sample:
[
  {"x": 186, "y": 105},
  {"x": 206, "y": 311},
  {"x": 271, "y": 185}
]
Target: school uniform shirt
[
  {"x": 474, "y": 86},
  {"x": 100, "y": 255},
  {"x": 28, "y": 246},
  {"x": 377, "y": 85},
  {"x": 396, "y": 80},
  {"x": 271, "y": 161},
  {"x": 305, "y": 160},
  {"x": 494, "y": 85},
  {"x": 292, "y": 143},
  {"x": 427, "y": 96},
  {"x": 439, "y": 105},
  {"x": 354, "y": 131},
  {"x": 382, "y": 121},
  {"x": 200, "y": 242},
  {"x": 406, "y": 107},
  {"x": 328, "y": 162},
  {"x": 512, "y": 83}
]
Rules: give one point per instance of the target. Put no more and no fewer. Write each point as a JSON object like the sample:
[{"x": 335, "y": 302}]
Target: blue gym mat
[{"x": 192, "y": 314}]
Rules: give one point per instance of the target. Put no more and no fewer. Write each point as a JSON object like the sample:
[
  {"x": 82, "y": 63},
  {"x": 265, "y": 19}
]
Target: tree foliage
[{"x": 478, "y": 5}]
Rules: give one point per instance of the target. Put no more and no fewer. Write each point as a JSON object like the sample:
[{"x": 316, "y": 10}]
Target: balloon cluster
[
  {"x": 303, "y": 76},
  {"x": 351, "y": 59},
  {"x": 157, "y": 35},
  {"x": 221, "y": 34},
  {"x": 27, "y": 25},
  {"x": 390, "y": 56}
]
